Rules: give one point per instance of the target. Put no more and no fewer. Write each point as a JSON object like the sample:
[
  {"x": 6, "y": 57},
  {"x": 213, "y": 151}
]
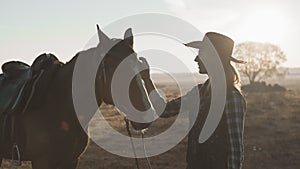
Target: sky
[{"x": 29, "y": 28}]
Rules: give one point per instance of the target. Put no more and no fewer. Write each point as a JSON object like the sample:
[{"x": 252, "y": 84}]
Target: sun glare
[{"x": 265, "y": 24}]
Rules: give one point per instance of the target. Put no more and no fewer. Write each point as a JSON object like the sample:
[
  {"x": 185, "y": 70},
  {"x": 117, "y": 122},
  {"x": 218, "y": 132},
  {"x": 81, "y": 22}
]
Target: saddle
[
  {"x": 17, "y": 83},
  {"x": 12, "y": 82}
]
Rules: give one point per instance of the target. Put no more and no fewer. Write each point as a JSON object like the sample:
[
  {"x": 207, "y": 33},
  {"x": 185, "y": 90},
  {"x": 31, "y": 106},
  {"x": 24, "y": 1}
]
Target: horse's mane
[{"x": 84, "y": 52}]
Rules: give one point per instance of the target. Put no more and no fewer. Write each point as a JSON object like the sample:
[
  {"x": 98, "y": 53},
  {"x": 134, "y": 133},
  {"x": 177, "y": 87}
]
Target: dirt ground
[{"x": 272, "y": 138}]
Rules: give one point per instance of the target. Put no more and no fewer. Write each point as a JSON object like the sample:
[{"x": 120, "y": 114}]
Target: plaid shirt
[{"x": 235, "y": 109}]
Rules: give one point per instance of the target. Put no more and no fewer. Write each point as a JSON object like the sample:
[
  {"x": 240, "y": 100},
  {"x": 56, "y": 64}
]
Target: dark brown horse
[{"x": 52, "y": 136}]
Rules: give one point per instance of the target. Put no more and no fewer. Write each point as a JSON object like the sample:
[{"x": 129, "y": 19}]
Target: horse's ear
[
  {"x": 101, "y": 35},
  {"x": 128, "y": 37}
]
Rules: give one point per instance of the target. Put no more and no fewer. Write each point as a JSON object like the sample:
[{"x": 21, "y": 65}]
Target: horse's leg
[
  {"x": 42, "y": 163},
  {"x": 69, "y": 165}
]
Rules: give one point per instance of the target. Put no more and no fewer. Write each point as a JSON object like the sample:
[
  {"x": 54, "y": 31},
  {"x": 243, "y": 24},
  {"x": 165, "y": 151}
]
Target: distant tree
[{"x": 263, "y": 60}]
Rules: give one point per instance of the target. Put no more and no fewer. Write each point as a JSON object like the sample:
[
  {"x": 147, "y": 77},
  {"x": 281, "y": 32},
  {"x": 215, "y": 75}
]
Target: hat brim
[
  {"x": 194, "y": 44},
  {"x": 236, "y": 60},
  {"x": 197, "y": 45}
]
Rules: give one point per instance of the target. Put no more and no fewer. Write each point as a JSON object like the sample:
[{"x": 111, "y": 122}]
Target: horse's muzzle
[{"x": 140, "y": 126}]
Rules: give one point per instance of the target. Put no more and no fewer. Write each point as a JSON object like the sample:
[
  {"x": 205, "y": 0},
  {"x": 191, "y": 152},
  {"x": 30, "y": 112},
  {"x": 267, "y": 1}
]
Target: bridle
[
  {"x": 103, "y": 75},
  {"x": 103, "y": 78}
]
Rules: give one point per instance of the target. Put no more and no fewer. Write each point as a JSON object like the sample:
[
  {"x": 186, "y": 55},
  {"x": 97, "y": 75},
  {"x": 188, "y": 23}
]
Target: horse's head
[{"x": 120, "y": 80}]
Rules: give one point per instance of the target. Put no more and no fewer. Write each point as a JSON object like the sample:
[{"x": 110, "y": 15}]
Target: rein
[
  {"x": 133, "y": 148},
  {"x": 131, "y": 141}
]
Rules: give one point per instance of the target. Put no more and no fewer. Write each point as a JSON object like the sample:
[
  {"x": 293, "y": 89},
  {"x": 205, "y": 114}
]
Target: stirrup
[{"x": 16, "y": 162}]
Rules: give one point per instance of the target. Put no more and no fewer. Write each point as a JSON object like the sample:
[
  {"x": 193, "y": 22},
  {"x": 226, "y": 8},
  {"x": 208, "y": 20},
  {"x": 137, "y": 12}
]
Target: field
[{"x": 272, "y": 138}]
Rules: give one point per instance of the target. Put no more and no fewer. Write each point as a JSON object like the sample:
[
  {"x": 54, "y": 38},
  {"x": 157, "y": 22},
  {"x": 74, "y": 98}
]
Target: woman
[{"x": 224, "y": 149}]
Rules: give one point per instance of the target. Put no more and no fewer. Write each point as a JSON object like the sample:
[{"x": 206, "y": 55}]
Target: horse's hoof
[{"x": 16, "y": 163}]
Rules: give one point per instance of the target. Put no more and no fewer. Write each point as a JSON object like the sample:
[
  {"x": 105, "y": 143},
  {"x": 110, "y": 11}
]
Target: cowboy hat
[{"x": 222, "y": 44}]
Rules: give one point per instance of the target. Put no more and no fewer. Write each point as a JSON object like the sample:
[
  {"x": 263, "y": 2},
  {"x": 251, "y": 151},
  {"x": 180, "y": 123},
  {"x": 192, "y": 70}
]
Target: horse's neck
[{"x": 64, "y": 85}]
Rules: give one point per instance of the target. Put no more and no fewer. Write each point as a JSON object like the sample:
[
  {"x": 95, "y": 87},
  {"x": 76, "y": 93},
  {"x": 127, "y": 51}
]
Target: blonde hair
[{"x": 232, "y": 76}]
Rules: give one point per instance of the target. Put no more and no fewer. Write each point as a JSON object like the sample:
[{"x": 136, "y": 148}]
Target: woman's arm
[{"x": 164, "y": 109}]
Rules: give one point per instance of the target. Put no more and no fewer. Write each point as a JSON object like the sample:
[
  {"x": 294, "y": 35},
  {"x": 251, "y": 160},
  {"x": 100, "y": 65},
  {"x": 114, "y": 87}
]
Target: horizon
[{"x": 32, "y": 28}]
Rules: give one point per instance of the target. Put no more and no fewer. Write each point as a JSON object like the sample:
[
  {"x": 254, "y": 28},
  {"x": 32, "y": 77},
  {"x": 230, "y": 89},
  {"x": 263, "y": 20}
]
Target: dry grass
[{"x": 272, "y": 139}]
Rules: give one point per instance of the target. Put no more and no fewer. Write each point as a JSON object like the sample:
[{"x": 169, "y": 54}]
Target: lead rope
[
  {"x": 133, "y": 148},
  {"x": 131, "y": 141},
  {"x": 145, "y": 152}
]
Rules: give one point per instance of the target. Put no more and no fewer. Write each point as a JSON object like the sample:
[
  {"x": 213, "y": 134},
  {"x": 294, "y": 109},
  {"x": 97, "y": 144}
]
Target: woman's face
[{"x": 202, "y": 69}]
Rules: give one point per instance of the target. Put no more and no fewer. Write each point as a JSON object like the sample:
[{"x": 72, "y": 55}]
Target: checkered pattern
[{"x": 235, "y": 110}]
